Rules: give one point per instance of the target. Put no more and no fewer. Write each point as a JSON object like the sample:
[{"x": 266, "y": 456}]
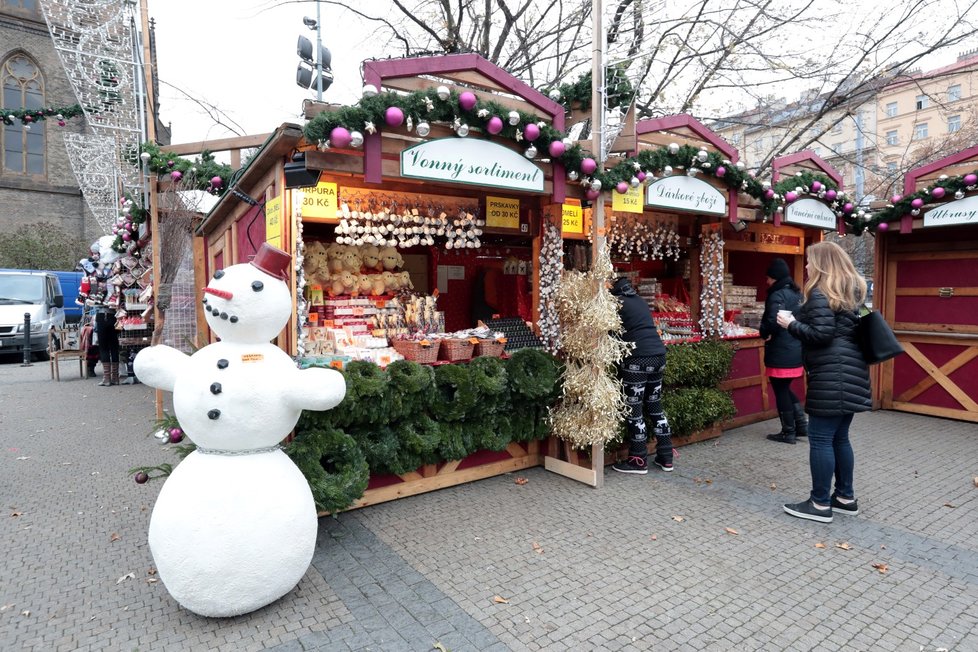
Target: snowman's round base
[{"x": 231, "y": 534}]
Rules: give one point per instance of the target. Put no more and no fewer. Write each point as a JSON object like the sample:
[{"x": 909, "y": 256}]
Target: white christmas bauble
[
  {"x": 514, "y": 118},
  {"x": 369, "y": 90},
  {"x": 443, "y": 93},
  {"x": 673, "y": 148},
  {"x": 356, "y": 139},
  {"x": 423, "y": 129}
]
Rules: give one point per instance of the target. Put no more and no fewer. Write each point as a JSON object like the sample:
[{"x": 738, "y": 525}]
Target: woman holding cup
[
  {"x": 838, "y": 377},
  {"x": 782, "y": 352}
]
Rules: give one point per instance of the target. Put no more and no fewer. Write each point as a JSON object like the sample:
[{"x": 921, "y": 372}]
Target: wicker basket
[
  {"x": 416, "y": 351},
  {"x": 491, "y": 348},
  {"x": 456, "y": 350}
]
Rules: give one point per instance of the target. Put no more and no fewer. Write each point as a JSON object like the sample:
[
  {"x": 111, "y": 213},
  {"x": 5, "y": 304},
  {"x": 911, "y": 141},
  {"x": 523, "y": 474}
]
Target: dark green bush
[
  {"x": 691, "y": 409},
  {"x": 698, "y": 364}
]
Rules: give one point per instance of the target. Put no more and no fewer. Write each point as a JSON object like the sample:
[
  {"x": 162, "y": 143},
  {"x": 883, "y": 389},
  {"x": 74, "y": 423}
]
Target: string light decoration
[
  {"x": 711, "y": 296},
  {"x": 632, "y": 237},
  {"x": 551, "y": 266},
  {"x": 592, "y": 407},
  {"x": 94, "y": 41}
]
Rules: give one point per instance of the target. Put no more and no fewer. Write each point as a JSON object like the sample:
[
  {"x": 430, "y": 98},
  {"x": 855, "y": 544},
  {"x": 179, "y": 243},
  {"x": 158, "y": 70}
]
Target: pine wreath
[
  {"x": 333, "y": 464},
  {"x": 409, "y": 389},
  {"x": 454, "y": 395},
  {"x": 365, "y": 387},
  {"x": 532, "y": 374}
]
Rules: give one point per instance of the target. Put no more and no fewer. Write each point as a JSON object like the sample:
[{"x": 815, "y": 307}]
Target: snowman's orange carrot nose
[{"x": 224, "y": 294}]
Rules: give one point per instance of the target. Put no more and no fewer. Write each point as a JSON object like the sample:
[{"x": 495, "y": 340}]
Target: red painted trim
[
  {"x": 804, "y": 155},
  {"x": 910, "y": 181},
  {"x": 682, "y": 120}
]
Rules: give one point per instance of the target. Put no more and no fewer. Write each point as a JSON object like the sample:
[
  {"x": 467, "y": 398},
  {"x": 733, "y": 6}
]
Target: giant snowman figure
[{"x": 234, "y": 527}]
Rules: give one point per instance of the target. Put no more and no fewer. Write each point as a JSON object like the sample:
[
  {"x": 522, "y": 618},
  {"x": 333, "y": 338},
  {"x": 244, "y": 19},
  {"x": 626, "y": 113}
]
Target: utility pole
[
  {"x": 597, "y": 208},
  {"x": 319, "y": 54}
]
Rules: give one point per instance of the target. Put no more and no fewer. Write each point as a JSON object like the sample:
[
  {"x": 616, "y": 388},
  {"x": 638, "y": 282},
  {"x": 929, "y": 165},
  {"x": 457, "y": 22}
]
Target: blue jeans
[{"x": 830, "y": 453}]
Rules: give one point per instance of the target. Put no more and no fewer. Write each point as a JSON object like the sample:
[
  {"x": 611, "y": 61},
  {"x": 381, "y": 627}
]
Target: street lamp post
[{"x": 319, "y": 55}]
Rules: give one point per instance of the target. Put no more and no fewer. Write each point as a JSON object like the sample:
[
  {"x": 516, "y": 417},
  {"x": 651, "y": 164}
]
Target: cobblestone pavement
[{"x": 702, "y": 559}]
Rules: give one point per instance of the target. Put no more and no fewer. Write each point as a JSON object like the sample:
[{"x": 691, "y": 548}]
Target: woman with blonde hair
[{"x": 838, "y": 377}]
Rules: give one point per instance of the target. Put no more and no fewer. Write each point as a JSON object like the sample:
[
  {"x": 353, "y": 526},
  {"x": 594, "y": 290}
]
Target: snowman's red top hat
[{"x": 273, "y": 261}]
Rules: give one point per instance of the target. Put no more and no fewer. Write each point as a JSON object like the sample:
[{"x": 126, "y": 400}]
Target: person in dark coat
[
  {"x": 782, "y": 352},
  {"x": 641, "y": 375},
  {"x": 838, "y": 377}
]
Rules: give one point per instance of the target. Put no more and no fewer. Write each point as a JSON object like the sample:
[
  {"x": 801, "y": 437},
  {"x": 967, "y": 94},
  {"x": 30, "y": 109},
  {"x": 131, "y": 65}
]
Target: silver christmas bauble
[
  {"x": 423, "y": 129},
  {"x": 443, "y": 93},
  {"x": 673, "y": 148}
]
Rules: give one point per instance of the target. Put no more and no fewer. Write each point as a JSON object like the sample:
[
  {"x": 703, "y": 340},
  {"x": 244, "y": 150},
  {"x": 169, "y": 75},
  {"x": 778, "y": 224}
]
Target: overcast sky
[{"x": 240, "y": 55}]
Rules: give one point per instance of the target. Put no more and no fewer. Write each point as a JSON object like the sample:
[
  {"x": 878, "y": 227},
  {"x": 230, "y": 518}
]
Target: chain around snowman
[{"x": 234, "y": 527}]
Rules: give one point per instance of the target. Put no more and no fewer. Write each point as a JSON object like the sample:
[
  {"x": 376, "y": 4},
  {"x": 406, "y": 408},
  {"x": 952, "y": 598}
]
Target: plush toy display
[
  {"x": 391, "y": 258},
  {"x": 352, "y": 260},
  {"x": 334, "y": 253},
  {"x": 234, "y": 526},
  {"x": 371, "y": 258},
  {"x": 404, "y": 281},
  {"x": 364, "y": 284}
]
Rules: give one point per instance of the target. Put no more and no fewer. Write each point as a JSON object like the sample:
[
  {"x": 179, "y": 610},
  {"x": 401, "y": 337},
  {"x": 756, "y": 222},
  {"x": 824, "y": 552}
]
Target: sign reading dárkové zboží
[
  {"x": 471, "y": 161},
  {"x": 686, "y": 194},
  {"x": 962, "y": 211},
  {"x": 810, "y": 212}
]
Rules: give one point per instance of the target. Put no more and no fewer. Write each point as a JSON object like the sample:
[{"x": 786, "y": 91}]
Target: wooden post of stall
[{"x": 154, "y": 216}]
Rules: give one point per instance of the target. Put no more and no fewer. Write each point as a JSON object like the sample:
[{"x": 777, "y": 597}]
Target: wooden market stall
[
  {"x": 926, "y": 286},
  {"x": 751, "y": 242},
  {"x": 456, "y": 212}
]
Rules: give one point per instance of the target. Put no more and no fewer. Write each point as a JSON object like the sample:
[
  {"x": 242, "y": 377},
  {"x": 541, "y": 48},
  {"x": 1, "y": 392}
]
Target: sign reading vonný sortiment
[
  {"x": 687, "y": 194},
  {"x": 810, "y": 212},
  {"x": 962, "y": 211},
  {"x": 471, "y": 161}
]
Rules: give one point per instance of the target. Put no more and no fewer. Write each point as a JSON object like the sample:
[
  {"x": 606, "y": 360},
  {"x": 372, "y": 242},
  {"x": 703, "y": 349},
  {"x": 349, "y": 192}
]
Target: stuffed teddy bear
[
  {"x": 391, "y": 258},
  {"x": 334, "y": 253},
  {"x": 371, "y": 258},
  {"x": 352, "y": 261}
]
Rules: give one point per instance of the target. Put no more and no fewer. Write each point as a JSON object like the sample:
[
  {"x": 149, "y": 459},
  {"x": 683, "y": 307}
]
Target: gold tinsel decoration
[{"x": 592, "y": 407}]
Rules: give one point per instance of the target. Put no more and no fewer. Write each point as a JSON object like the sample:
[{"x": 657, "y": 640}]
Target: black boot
[
  {"x": 91, "y": 370},
  {"x": 663, "y": 452},
  {"x": 787, "y": 434},
  {"x": 801, "y": 421}
]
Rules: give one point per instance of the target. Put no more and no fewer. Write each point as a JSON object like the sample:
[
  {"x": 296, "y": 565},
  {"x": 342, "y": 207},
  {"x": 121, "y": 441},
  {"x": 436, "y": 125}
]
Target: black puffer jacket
[
  {"x": 636, "y": 321},
  {"x": 782, "y": 351},
  {"x": 838, "y": 377}
]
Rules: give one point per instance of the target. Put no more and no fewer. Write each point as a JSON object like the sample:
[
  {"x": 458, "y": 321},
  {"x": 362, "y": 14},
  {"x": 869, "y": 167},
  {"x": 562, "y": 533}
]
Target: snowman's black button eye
[
  {"x": 219, "y": 273},
  {"x": 213, "y": 414},
  {"x": 257, "y": 286}
]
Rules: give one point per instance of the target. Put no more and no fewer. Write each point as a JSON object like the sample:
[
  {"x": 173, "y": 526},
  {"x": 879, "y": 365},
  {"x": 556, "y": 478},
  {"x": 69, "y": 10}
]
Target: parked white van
[{"x": 36, "y": 293}]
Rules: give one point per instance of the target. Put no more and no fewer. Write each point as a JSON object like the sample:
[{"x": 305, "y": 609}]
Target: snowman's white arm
[
  {"x": 158, "y": 366},
  {"x": 316, "y": 389}
]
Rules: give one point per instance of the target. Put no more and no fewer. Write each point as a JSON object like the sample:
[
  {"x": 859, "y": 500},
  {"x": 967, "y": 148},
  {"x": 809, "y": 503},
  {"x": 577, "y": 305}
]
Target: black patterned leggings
[{"x": 641, "y": 378}]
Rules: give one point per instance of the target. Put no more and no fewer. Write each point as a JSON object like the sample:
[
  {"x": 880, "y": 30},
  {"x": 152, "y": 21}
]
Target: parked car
[{"x": 37, "y": 294}]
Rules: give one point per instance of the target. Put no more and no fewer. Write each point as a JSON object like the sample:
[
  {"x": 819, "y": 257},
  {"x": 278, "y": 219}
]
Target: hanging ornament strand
[
  {"x": 711, "y": 297},
  {"x": 551, "y": 266},
  {"x": 31, "y": 116}
]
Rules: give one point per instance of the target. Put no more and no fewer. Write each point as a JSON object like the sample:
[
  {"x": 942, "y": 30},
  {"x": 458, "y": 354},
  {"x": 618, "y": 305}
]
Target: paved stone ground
[{"x": 615, "y": 569}]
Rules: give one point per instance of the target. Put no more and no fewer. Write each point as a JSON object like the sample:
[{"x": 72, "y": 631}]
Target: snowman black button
[
  {"x": 219, "y": 273},
  {"x": 222, "y": 364},
  {"x": 213, "y": 414},
  {"x": 224, "y": 315},
  {"x": 215, "y": 388},
  {"x": 234, "y": 319},
  {"x": 257, "y": 286}
]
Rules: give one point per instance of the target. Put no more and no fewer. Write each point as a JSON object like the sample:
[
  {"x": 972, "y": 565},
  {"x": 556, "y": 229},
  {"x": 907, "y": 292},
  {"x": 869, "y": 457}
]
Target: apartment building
[
  {"x": 894, "y": 124},
  {"x": 927, "y": 113}
]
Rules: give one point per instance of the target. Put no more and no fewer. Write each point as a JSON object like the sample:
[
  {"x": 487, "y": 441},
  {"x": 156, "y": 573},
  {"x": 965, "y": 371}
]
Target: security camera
[{"x": 309, "y": 22}]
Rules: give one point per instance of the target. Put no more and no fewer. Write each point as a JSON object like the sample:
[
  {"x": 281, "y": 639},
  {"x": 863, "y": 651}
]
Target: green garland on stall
[
  {"x": 29, "y": 116},
  {"x": 895, "y": 211},
  {"x": 197, "y": 174}
]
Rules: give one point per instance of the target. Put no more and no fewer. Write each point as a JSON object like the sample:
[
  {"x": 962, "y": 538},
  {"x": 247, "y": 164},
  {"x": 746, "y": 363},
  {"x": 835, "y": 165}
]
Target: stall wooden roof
[
  {"x": 683, "y": 129},
  {"x": 804, "y": 160}
]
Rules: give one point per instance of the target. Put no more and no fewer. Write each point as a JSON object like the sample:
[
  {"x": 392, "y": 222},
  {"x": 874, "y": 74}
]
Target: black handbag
[{"x": 876, "y": 339}]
